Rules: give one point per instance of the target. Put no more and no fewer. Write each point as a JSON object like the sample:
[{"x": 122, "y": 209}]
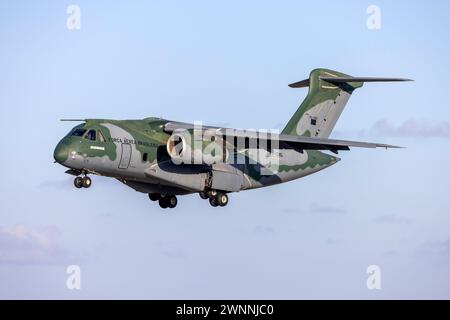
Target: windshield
[
  {"x": 91, "y": 135},
  {"x": 78, "y": 132}
]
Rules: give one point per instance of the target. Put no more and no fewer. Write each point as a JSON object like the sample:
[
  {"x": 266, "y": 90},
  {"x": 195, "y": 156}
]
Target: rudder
[{"x": 322, "y": 107}]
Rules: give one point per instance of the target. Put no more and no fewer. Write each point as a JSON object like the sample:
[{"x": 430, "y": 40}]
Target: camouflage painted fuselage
[
  {"x": 144, "y": 154},
  {"x": 135, "y": 152}
]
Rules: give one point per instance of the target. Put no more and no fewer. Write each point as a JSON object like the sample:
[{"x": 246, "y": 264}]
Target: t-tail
[{"x": 329, "y": 92}]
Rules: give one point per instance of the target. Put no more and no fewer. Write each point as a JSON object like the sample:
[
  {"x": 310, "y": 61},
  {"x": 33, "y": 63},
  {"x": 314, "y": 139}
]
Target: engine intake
[{"x": 182, "y": 148}]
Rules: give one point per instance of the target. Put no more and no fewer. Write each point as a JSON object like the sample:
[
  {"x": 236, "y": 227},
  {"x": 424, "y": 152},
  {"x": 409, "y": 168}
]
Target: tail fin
[{"x": 329, "y": 92}]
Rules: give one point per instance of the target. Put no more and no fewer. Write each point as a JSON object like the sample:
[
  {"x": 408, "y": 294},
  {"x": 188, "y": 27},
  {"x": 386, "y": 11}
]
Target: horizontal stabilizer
[
  {"x": 300, "y": 84},
  {"x": 306, "y": 83},
  {"x": 361, "y": 79}
]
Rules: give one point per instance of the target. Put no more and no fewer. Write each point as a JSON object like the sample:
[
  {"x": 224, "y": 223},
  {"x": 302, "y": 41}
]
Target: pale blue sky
[{"x": 226, "y": 63}]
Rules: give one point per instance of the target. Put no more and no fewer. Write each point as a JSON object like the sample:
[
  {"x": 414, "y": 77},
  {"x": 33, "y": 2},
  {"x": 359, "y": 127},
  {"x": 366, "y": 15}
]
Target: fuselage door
[{"x": 126, "y": 156}]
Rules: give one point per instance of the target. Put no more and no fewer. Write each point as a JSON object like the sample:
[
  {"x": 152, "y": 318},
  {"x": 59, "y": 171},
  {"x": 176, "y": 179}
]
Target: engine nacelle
[{"x": 184, "y": 148}]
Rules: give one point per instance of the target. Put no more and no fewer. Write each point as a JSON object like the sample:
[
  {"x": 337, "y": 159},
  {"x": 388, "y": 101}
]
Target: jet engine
[{"x": 183, "y": 149}]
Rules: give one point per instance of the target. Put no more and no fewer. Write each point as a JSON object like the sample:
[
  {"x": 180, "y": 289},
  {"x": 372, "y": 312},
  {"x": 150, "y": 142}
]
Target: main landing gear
[
  {"x": 165, "y": 201},
  {"x": 82, "y": 182},
  {"x": 216, "y": 198}
]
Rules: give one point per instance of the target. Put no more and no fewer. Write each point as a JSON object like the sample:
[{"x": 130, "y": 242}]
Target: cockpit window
[
  {"x": 78, "y": 132},
  {"x": 91, "y": 135}
]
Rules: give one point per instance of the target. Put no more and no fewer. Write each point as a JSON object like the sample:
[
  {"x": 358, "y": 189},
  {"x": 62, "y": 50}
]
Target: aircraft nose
[{"x": 61, "y": 153}]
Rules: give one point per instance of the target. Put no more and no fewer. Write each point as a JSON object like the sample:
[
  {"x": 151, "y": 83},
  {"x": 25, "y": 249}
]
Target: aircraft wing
[{"x": 285, "y": 141}]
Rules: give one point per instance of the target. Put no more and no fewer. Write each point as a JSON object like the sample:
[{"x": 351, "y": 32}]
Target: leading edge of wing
[{"x": 300, "y": 142}]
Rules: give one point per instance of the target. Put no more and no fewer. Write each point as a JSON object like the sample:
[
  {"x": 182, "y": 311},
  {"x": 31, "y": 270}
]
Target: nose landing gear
[{"x": 82, "y": 182}]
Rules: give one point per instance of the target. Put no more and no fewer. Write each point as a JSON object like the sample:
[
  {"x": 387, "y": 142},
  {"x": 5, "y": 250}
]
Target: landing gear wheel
[
  {"x": 203, "y": 195},
  {"x": 213, "y": 202},
  {"x": 163, "y": 203},
  {"x": 222, "y": 199},
  {"x": 154, "y": 196},
  {"x": 212, "y": 194},
  {"x": 86, "y": 182},
  {"x": 78, "y": 182},
  {"x": 171, "y": 201}
]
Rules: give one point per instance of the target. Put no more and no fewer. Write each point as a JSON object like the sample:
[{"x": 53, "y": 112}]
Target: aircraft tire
[
  {"x": 154, "y": 196},
  {"x": 163, "y": 203},
  {"x": 212, "y": 194},
  {"x": 222, "y": 199},
  {"x": 213, "y": 202},
  {"x": 203, "y": 195},
  {"x": 86, "y": 182},
  {"x": 78, "y": 182},
  {"x": 172, "y": 201}
]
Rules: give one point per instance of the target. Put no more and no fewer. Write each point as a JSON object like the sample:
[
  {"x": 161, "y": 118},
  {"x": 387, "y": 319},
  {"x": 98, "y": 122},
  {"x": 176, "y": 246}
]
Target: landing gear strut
[{"x": 82, "y": 182}]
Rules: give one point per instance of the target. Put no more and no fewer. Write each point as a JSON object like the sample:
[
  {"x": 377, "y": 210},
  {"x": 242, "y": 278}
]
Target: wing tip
[{"x": 389, "y": 146}]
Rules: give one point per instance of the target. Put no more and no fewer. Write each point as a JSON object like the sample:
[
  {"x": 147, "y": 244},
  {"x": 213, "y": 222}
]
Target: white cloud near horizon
[
  {"x": 22, "y": 244},
  {"x": 411, "y": 128}
]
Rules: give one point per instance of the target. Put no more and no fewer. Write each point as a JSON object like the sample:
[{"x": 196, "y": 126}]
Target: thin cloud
[
  {"x": 437, "y": 248},
  {"x": 23, "y": 244},
  {"x": 393, "y": 219},
  {"x": 316, "y": 208},
  {"x": 411, "y": 128},
  {"x": 264, "y": 229},
  {"x": 332, "y": 241},
  {"x": 174, "y": 254},
  {"x": 292, "y": 210},
  {"x": 391, "y": 254},
  {"x": 56, "y": 184}
]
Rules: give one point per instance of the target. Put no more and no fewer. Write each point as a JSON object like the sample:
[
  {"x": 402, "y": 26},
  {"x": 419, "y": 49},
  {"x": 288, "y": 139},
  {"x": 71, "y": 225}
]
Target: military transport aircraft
[{"x": 165, "y": 158}]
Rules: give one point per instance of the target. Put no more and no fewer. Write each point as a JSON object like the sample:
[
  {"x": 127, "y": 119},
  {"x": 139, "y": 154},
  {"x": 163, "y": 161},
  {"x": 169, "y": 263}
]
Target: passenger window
[
  {"x": 101, "y": 138},
  {"x": 91, "y": 135}
]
